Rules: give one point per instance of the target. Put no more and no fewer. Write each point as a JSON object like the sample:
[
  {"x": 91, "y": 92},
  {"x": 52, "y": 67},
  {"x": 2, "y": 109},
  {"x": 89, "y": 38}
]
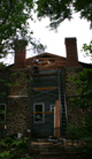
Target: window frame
[
  {"x": 5, "y": 106},
  {"x": 43, "y": 115},
  {"x": 52, "y": 110}
]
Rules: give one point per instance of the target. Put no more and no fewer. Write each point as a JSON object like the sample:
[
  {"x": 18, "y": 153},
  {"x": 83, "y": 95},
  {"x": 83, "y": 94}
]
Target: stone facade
[
  {"x": 19, "y": 103},
  {"x": 18, "y": 115},
  {"x": 74, "y": 113},
  {"x": 18, "y": 109},
  {"x": 70, "y": 87}
]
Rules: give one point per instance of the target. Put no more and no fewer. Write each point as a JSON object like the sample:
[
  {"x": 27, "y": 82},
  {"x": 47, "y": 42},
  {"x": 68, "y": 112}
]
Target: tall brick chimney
[
  {"x": 20, "y": 54},
  {"x": 71, "y": 51}
]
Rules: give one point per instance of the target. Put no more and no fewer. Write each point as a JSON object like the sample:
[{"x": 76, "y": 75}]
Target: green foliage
[
  {"x": 88, "y": 148},
  {"x": 5, "y": 155},
  {"x": 14, "y": 24},
  {"x": 75, "y": 133},
  {"x": 84, "y": 88},
  {"x": 12, "y": 148},
  {"x": 2, "y": 66},
  {"x": 14, "y": 16},
  {"x": 13, "y": 20},
  {"x": 27, "y": 157},
  {"x": 83, "y": 100},
  {"x": 88, "y": 50},
  {"x": 18, "y": 79},
  {"x": 22, "y": 145},
  {"x": 58, "y": 10},
  {"x": 78, "y": 132},
  {"x": 5, "y": 143}
]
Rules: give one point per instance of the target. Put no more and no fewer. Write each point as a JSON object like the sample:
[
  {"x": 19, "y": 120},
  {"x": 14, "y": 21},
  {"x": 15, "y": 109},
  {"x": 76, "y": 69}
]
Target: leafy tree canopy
[
  {"x": 88, "y": 49},
  {"x": 14, "y": 15},
  {"x": 59, "y": 10},
  {"x": 84, "y": 82},
  {"x": 13, "y": 20}
]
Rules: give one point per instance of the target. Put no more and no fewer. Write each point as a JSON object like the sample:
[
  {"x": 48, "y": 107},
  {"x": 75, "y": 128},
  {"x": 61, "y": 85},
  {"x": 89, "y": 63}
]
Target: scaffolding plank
[
  {"x": 44, "y": 88},
  {"x": 17, "y": 96},
  {"x": 43, "y": 112}
]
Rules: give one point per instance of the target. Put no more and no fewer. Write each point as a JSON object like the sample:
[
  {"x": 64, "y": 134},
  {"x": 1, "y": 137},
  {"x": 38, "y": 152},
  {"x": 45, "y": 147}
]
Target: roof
[
  {"x": 48, "y": 54},
  {"x": 61, "y": 61}
]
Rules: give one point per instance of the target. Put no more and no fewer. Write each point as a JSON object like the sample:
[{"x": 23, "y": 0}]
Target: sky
[{"x": 54, "y": 40}]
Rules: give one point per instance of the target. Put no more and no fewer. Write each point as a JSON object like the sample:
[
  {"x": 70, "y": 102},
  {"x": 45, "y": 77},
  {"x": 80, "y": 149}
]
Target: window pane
[
  {"x": 2, "y": 112},
  {"x": 1, "y": 117},
  {"x": 2, "y": 107},
  {"x": 38, "y": 108},
  {"x": 52, "y": 108},
  {"x": 38, "y": 117}
]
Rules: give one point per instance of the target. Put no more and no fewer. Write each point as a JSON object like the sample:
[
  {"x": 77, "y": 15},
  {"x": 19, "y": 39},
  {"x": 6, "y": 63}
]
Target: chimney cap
[
  {"x": 19, "y": 43},
  {"x": 70, "y": 41}
]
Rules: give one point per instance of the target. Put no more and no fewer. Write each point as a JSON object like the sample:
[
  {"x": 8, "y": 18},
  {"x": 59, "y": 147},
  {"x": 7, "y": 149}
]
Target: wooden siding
[{"x": 48, "y": 61}]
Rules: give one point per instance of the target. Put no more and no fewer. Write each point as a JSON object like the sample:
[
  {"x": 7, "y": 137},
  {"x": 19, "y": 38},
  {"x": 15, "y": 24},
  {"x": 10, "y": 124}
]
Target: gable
[{"x": 60, "y": 61}]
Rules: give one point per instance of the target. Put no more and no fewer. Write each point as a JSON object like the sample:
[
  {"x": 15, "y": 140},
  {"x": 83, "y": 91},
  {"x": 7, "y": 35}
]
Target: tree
[
  {"x": 85, "y": 81},
  {"x": 84, "y": 88},
  {"x": 88, "y": 50},
  {"x": 14, "y": 17},
  {"x": 83, "y": 100},
  {"x": 59, "y": 10},
  {"x": 13, "y": 21}
]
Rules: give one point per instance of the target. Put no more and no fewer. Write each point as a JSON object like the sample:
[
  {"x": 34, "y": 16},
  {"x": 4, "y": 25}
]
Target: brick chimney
[
  {"x": 20, "y": 54},
  {"x": 71, "y": 51}
]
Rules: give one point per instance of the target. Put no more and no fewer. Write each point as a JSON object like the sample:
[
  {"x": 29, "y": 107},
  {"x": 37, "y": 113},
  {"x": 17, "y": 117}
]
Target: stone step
[
  {"x": 47, "y": 147},
  {"x": 50, "y": 153}
]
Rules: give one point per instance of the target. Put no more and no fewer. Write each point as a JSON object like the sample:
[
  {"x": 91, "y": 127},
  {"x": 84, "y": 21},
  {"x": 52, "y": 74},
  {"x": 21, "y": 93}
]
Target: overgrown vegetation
[
  {"x": 83, "y": 101},
  {"x": 11, "y": 148}
]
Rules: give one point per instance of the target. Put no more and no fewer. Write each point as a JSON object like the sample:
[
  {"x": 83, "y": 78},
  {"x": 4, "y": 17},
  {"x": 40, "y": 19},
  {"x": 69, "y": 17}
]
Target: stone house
[{"x": 38, "y": 95}]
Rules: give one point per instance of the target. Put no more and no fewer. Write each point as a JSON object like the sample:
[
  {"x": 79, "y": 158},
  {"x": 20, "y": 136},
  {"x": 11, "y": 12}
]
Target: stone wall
[
  {"x": 74, "y": 113},
  {"x": 70, "y": 87},
  {"x": 18, "y": 102},
  {"x": 18, "y": 109},
  {"x": 18, "y": 115}
]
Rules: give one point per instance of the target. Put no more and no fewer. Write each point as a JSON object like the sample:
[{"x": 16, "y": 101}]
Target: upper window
[
  {"x": 2, "y": 112},
  {"x": 52, "y": 107},
  {"x": 38, "y": 112}
]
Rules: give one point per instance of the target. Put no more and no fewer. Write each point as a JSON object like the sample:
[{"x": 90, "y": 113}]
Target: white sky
[{"x": 55, "y": 40}]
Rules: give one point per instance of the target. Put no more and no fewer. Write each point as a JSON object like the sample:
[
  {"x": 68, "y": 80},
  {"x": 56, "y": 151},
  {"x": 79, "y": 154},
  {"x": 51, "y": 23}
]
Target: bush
[{"x": 14, "y": 149}]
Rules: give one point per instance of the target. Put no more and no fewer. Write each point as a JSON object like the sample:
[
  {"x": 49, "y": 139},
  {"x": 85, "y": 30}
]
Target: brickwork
[
  {"x": 20, "y": 61},
  {"x": 20, "y": 54},
  {"x": 71, "y": 51}
]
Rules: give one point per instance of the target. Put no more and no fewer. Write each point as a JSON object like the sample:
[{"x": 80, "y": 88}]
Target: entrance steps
[{"x": 47, "y": 148}]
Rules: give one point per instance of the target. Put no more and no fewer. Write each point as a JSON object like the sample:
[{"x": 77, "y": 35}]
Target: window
[
  {"x": 52, "y": 107},
  {"x": 38, "y": 112},
  {"x": 2, "y": 112}
]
